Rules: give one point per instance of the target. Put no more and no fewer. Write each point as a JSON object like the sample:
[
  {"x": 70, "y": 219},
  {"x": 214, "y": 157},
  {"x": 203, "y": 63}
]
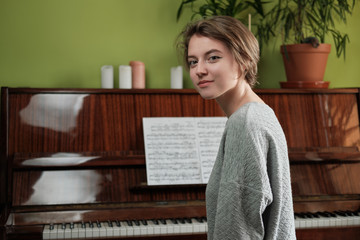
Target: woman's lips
[{"x": 204, "y": 83}]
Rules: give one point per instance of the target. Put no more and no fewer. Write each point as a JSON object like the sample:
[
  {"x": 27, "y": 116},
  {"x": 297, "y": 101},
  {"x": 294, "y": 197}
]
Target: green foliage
[
  {"x": 234, "y": 8},
  {"x": 297, "y": 20},
  {"x": 293, "y": 20}
]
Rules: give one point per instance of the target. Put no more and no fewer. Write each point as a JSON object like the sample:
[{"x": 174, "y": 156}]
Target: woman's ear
[{"x": 242, "y": 71}]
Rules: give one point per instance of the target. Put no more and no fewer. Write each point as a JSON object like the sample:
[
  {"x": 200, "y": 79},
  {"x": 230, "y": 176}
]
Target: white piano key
[
  {"x": 203, "y": 226},
  {"x": 163, "y": 228},
  {"x": 332, "y": 222},
  {"x": 60, "y": 231},
  {"x": 119, "y": 229},
  {"x": 196, "y": 227},
  {"x": 109, "y": 229},
  {"x": 53, "y": 233},
  {"x": 169, "y": 227},
  {"x": 297, "y": 222},
  {"x": 46, "y": 232},
  {"x": 116, "y": 230},
  {"x": 185, "y": 227},
  {"x": 88, "y": 230},
  {"x": 153, "y": 228},
  {"x": 199, "y": 227},
  {"x": 308, "y": 223},
  {"x": 136, "y": 228},
  {"x": 150, "y": 228},
  {"x": 82, "y": 230},
  {"x": 356, "y": 220},
  {"x": 156, "y": 227},
  {"x": 144, "y": 229},
  {"x": 96, "y": 232},
  {"x": 302, "y": 223},
  {"x": 75, "y": 231},
  {"x": 176, "y": 227},
  {"x": 102, "y": 230},
  {"x": 342, "y": 221},
  {"x": 67, "y": 231},
  {"x": 315, "y": 223},
  {"x": 129, "y": 229}
]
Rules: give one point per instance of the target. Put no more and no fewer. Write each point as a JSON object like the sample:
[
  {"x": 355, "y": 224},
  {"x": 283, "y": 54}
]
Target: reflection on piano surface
[{"x": 73, "y": 164}]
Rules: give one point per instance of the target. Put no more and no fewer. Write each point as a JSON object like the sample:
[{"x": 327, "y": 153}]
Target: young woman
[{"x": 248, "y": 195}]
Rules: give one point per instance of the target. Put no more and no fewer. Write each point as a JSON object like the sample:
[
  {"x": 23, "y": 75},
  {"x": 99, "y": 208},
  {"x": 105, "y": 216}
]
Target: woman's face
[{"x": 213, "y": 68}]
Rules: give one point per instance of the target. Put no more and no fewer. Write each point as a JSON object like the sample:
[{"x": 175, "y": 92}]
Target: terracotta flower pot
[{"x": 305, "y": 65}]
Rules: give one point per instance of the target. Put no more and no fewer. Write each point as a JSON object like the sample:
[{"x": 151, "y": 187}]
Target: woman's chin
[{"x": 206, "y": 95}]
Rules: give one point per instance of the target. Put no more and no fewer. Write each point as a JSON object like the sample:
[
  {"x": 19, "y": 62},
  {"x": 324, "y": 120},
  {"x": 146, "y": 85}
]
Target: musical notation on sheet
[{"x": 181, "y": 150}]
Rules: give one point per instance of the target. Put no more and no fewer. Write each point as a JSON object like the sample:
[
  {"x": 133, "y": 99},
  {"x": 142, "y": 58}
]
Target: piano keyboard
[
  {"x": 327, "y": 219},
  {"x": 182, "y": 226},
  {"x": 125, "y": 228}
]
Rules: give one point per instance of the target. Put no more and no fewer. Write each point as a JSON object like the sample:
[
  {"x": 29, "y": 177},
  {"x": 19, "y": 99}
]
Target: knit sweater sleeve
[
  {"x": 244, "y": 190},
  {"x": 248, "y": 195}
]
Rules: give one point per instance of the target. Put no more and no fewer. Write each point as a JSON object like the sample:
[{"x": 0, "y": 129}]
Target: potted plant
[
  {"x": 303, "y": 26},
  {"x": 235, "y": 8}
]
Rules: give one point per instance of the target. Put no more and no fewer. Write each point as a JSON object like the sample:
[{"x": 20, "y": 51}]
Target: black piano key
[
  {"x": 98, "y": 224},
  {"x": 155, "y": 221},
  {"x": 324, "y": 214},
  {"x": 118, "y": 224},
  {"x": 340, "y": 213},
  {"x": 144, "y": 222},
  {"x": 312, "y": 215},
  {"x": 83, "y": 225},
  {"x": 51, "y": 226},
  {"x": 91, "y": 225},
  {"x": 63, "y": 226},
  {"x": 163, "y": 221},
  {"x": 71, "y": 225},
  {"x": 174, "y": 221},
  {"x": 181, "y": 220},
  {"x": 137, "y": 222},
  {"x": 200, "y": 220},
  {"x": 331, "y": 214},
  {"x": 301, "y": 215},
  {"x": 110, "y": 223},
  {"x": 351, "y": 213},
  {"x": 188, "y": 220},
  {"x": 129, "y": 223}
]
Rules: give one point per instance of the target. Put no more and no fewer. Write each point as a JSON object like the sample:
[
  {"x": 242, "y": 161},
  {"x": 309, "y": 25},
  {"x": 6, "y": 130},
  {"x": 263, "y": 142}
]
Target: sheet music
[{"x": 181, "y": 150}]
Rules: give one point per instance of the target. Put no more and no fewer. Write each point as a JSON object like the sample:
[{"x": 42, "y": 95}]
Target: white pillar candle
[
  {"x": 177, "y": 77},
  {"x": 107, "y": 76},
  {"x": 125, "y": 79}
]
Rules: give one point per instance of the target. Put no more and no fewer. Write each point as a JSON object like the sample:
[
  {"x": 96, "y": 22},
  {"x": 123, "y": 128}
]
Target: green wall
[{"x": 63, "y": 44}]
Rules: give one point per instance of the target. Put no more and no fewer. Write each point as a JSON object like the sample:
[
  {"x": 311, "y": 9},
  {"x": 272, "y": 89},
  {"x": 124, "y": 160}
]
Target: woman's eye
[
  {"x": 213, "y": 58},
  {"x": 192, "y": 63}
]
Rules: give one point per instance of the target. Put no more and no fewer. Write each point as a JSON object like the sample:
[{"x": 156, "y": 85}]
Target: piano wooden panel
[{"x": 78, "y": 155}]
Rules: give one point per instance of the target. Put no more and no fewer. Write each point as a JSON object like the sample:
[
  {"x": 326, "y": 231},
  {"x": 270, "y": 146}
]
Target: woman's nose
[{"x": 201, "y": 69}]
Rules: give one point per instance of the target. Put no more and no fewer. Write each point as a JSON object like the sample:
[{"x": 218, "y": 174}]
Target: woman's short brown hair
[{"x": 235, "y": 35}]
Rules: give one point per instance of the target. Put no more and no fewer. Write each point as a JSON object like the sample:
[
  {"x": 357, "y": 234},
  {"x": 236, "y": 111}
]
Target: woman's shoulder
[{"x": 254, "y": 112}]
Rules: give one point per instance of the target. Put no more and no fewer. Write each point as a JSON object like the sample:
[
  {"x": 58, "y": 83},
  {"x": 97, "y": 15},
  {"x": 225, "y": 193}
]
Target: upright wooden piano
[{"x": 73, "y": 163}]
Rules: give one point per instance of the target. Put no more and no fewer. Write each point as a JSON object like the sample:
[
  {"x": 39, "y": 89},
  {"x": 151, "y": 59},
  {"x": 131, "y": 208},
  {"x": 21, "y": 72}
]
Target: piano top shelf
[
  {"x": 78, "y": 159},
  {"x": 63, "y": 160},
  {"x": 324, "y": 155}
]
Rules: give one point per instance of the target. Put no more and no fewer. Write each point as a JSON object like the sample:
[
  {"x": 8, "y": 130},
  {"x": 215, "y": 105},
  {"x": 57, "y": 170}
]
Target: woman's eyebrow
[
  {"x": 212, "y": 51},
  {"x": 207, "y": 53}
]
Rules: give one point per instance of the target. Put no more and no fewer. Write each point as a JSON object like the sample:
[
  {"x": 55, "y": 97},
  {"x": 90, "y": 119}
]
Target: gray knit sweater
[{"x": 248, "y": 195}]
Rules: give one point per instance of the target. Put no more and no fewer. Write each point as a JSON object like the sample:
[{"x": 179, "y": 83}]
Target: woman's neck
[{"x": 236, "y": 97}]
